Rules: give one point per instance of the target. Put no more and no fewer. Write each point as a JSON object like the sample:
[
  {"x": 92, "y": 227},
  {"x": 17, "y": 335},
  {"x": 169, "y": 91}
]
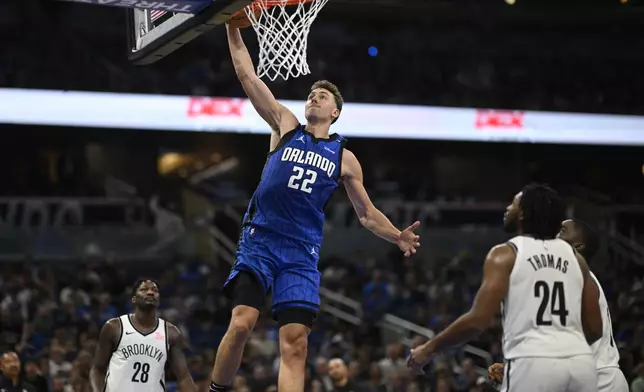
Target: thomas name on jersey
[
  {"x": 292, "y": 154},
  {"x": 548, "y": 261},
  {"x": 142, "y": 349}
]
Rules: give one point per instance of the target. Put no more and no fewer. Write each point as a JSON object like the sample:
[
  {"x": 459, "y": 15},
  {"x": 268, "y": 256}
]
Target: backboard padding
[{"x": 147, "y": 45}]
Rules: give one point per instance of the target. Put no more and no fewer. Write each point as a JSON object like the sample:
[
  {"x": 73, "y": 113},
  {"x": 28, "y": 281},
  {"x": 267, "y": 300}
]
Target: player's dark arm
[
  {"x": 278, "y": 117},
  {"x": 107, "y": 341},
  {"x": 370, "y": 217},
  {"x": 178, "y": 360},
  {"x": 591, "y": 317},
  {"x": 496, "y": 277}
]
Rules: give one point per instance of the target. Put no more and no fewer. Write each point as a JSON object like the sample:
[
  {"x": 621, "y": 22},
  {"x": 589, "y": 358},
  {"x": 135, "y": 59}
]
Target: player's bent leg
[
  {"x": 296, "y": 300},
  {"x": 248, "y": 298},
  {"x": 295, "y": 325}
]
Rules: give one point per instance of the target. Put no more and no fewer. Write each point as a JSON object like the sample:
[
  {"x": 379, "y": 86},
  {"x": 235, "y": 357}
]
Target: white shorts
[
  {"x": 539, "y": 374},
  {"x": 611, "y": 380}
]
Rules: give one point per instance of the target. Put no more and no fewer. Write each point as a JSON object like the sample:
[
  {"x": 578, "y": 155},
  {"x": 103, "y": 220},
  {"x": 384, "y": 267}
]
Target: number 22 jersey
[
  {"x": 298, "y": 179},
  {"x": 542, "y": 309},
  {"x": 138, "y": 362}
]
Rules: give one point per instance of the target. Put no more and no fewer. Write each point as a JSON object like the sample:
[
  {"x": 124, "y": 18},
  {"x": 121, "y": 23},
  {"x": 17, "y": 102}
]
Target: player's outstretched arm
[
  {"x": 107, "y": 341},
  {"x": 494, "y": 287},
  {"x": 370, "y": 217},
  {"x": 278, "y": 117},
  {"x": 591, "y": 317},
  {"x": 178, "y": 360}
]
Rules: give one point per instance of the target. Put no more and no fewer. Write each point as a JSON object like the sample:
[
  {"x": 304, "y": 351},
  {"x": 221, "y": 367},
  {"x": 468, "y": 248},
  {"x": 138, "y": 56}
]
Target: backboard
[{"x": 155, "y": 32}]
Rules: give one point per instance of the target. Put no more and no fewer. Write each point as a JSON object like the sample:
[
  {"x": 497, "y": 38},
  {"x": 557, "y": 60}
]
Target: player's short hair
[
  {"x": 590, "y": 238},
  {"x": 543, "y": 210},
  {"x": 138, "y": 284},
  {"x": 333, "y": 89}
]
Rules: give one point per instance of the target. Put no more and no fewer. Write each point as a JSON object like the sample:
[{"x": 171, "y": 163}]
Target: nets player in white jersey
[
  {"x": 547, "y": 298},
  {"x": 610, "y": 378},
  {"x": 133, "y": 349}
]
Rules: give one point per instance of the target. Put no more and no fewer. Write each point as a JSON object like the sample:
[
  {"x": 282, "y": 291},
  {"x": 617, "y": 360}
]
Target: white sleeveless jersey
[
  {"x": 605, "y": 350},
  {"x": 138, "y": 363},
  {"x": 542, "y": 309}
]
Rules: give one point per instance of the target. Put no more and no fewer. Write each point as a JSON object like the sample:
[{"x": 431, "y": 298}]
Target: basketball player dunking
[
  {"x": 609, "y": 376},
  {"x": 547, "y": 298},
  {"x": 282, "y": 232},
  {"x": 133, "y": 349}
]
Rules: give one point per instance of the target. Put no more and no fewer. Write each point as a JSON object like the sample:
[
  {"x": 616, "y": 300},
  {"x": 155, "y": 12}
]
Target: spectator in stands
[
  {"x": 375, "y": 383},
  {"x": 106, "y": 310},
  {"x": 58, "y": 385},
  {"x": 169, "y": 225},
  {"x": 11, "y": 380},
  {"x": 399, "y": 381},
  {"x": 75, "y": 295},
  {"x": 57, "y": 362},
  {"x": 393, "y": 363},
  {"x": 263, "y": 345},
  {"x": 354, "y": 369},
  {"x": 468, "y": 377},
  {"x": 339, "y": 374},
  {"x": 322, "y": 374},
  {"x": 35, "y": 376},
  {"x": 376, "y": 296},
  {"x": 443, "y": 384},
  {"x": 262, "y": 378}
]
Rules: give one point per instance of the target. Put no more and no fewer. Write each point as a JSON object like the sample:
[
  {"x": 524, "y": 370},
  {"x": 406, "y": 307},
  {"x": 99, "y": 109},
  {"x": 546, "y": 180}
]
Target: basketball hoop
[{"x": 282, "y": 28}]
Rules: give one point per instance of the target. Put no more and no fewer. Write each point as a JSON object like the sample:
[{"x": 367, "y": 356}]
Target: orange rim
[
  {"x": 275, "y": 3},
  {"x": 260, "y": 4}
]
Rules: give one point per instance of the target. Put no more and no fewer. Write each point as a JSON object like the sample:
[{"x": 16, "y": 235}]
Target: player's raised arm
[
  {"x": 178, "y": 360},
  {"x": 370, "y": 217},
  {"x": 591, "y": 316},
  {"x": 278, "y": 117},
  {"x": 106, "y": 344},
  {"x": 494, "y": 287}
]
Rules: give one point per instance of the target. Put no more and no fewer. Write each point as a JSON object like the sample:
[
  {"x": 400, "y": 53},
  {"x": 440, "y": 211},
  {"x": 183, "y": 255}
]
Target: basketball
[{"x": 239, "y": 20}]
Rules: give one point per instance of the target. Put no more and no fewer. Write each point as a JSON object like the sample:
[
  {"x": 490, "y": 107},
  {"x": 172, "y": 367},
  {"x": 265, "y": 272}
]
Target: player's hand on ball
[
  {"x": 418, "y": 359},
  {"x": 408, "y": 241},
  {"x": 495, "y": 372},
  {"x": 239, "y": 20}
]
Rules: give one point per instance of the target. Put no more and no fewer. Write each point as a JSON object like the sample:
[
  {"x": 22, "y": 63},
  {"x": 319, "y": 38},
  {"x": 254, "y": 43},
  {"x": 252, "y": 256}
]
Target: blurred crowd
[
  {"x": 51, "y": 316},
  {"x": 537, "y": 66}
]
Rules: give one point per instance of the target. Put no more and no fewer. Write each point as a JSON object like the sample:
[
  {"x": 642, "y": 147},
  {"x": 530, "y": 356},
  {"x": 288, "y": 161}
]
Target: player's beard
[
  {"x": 146, "y": 306},
  {"x": 511, "y": 225}
]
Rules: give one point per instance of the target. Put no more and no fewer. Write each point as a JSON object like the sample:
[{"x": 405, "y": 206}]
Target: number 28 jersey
[
  {"x": 299, "y": 177},
  {"x": 542, "y": 309},
  {"x": 138, "y": 362}
]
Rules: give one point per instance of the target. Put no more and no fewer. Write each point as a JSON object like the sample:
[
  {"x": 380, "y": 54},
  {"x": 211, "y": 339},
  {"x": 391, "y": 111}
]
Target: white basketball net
[{"x": 282, "y": 31}]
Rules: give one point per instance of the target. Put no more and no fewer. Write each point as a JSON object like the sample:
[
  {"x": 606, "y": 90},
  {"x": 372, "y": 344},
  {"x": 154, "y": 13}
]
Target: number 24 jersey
[{"x": 542, "y": 309}]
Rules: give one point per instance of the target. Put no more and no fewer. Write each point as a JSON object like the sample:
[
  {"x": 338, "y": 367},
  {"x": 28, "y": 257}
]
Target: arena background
[{"x": 86, "y": 209}]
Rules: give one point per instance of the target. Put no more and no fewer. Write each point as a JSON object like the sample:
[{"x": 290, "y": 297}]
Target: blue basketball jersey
[{"x": 299, "y": 177}]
